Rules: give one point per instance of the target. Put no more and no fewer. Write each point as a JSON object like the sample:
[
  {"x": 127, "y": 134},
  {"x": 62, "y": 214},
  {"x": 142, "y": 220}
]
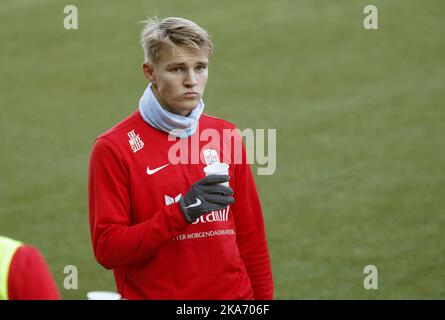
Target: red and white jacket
[{"x": 138, "y": 228}]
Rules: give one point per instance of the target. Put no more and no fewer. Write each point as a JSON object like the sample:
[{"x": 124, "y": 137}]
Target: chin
[{"x": 187, "y": 107}]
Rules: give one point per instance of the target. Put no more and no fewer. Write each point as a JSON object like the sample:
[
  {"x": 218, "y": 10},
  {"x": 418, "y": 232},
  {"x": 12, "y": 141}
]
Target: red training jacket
[
  {"x": 139, "y": 231},
  {"x": 29, "y": 277}
]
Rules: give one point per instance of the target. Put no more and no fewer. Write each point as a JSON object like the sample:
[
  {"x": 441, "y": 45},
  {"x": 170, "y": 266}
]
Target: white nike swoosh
[
  {"x": 150, "y": 172},
  {"x": 197, "y": 203}
]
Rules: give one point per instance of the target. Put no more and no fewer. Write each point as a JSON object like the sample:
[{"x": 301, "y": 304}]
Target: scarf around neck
[{"x": 156, "y": 116}]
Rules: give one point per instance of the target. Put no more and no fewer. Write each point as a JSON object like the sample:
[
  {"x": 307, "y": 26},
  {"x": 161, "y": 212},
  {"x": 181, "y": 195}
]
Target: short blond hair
[{"x": 172, "y": 32}]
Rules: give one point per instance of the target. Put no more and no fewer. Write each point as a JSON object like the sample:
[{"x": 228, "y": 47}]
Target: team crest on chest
[
  {"x": 170, "y": 200},
  {"x": 135, "y": 141}
]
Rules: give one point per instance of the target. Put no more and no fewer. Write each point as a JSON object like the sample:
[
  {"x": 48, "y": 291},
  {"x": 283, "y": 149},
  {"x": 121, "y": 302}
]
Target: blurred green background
[{"x": 359, "y": 117}]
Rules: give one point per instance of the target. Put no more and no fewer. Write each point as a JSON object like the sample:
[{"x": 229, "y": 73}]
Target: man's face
[{"x": 179, "y": 78}]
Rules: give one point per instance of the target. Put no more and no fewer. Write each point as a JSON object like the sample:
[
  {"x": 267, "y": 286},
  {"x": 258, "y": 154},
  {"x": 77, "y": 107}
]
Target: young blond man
[{"x": 166, "y": 229}]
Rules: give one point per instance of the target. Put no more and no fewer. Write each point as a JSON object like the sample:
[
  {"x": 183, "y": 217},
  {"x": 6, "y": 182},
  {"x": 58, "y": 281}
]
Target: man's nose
[{"x": 190, "y": 79}]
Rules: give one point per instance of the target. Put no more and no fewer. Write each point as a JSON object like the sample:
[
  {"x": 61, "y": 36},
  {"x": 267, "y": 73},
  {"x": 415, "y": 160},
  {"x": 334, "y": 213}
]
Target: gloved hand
[{"x": 206, "y": 195}]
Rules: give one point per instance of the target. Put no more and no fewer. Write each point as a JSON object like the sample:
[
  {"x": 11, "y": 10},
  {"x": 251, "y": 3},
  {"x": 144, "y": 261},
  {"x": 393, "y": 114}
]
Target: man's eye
[
  {"x": 176, "y": 70},
  {"x": 201, "y": 68}
]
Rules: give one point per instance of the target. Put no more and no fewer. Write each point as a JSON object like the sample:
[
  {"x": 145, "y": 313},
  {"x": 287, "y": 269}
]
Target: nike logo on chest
[{"x": 153, "y": 171}]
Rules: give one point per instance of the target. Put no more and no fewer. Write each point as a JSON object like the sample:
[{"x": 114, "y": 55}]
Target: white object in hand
[
  {"x": 218, "y": 168},
  {"x": 103, "y": 295},
  {"x": 210, "y": 156}
]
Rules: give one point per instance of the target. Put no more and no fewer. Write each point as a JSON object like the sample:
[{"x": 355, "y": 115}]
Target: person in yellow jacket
[{"x": 24, "y": 274}]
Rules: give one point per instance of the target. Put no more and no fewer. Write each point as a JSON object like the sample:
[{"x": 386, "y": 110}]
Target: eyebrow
[{"x": 181, "y": 64}]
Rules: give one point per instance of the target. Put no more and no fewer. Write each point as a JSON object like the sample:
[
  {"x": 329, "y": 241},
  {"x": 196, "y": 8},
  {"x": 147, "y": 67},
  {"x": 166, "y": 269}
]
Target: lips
[{"x": 190, "y": 94}]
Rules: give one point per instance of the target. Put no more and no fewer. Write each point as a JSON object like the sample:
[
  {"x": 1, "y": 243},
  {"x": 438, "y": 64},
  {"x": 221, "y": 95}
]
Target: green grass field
[{"x": 359, "y": 117}]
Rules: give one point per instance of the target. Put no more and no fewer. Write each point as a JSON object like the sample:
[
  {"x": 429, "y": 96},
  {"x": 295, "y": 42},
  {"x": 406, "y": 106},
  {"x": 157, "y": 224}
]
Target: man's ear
[{"x": 149, "y": 72}]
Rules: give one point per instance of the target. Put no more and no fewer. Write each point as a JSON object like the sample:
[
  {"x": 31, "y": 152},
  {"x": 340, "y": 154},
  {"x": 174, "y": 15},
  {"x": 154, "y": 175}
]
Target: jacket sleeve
[
  {"x": 30, "y": 277},
  {"x": 251, "y": 237},
  {"x": 117, "y": 243}
]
